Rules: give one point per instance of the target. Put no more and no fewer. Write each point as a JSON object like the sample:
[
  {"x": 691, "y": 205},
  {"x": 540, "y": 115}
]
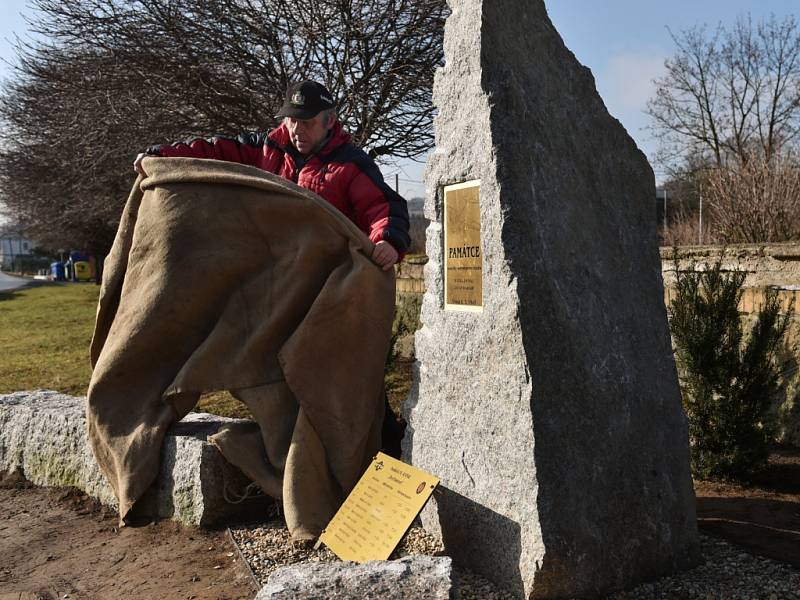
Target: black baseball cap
[{"x": 305, "y": 100}]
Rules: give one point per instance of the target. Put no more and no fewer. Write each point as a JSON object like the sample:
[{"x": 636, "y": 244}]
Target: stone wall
[
  {"x": 410, "y": 275},
  {"x": 775, "y": 265}
]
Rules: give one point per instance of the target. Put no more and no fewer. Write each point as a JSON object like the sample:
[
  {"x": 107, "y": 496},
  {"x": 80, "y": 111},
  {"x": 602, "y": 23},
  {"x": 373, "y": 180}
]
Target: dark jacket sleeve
[{"x": 378, "y": 208}]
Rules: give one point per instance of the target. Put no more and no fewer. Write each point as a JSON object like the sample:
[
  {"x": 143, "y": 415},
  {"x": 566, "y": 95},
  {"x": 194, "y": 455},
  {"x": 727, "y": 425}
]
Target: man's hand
[
  {"x": 137, "y": 164},
  {"x": 384, "y": 255}
]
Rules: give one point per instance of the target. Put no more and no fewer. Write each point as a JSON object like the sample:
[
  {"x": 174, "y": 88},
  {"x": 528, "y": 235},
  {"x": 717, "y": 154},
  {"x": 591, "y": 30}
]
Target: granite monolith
[{"x": 550, "y": 408}]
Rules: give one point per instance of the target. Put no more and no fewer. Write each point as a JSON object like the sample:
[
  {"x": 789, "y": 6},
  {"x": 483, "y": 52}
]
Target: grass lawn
[
  {"x": 44, "y": 335},
  {"x": 45, "y": 332}
]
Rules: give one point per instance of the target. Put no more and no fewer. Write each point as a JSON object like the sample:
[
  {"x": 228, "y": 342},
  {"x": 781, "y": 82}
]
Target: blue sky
[
  {"x": 11, "y": 22},
  {"x": 623, "y": 42}
]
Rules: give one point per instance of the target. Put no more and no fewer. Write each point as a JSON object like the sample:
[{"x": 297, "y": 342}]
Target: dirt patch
[
  {"x": 59, "y": 543},
  {"x": 763, "y": 518}
]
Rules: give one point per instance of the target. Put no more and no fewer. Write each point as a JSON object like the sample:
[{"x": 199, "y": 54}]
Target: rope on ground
[{"x": 251, "y": 491}]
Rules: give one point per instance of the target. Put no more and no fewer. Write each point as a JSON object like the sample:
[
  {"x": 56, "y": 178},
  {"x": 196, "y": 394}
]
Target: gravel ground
[
  {"x": 268, "y": 547},
  {"x": 728, "y": 573}
]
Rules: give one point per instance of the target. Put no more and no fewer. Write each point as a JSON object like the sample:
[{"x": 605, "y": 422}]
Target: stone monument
[{"x": 545, "y": 395}]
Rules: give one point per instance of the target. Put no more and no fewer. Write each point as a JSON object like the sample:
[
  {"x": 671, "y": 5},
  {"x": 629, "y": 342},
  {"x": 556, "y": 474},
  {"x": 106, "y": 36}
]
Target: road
[{"x": 9, "y": 282}]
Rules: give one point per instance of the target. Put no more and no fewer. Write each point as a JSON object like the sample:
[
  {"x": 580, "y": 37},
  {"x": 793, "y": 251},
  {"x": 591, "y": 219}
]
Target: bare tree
[
  {"x": 226, "y": 63},
  {"x": 58, "y": 172},
  {"x": 106, "y": 78},
  {"x": 730, "y": 95},
  {"x": 727, "y": 114},
  {"x": 755, "y": 202}
]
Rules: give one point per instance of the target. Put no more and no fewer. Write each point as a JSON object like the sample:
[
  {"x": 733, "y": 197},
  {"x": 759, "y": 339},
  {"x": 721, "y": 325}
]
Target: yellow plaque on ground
[
  {"x": 463, "y": 262},
  {"x": 379, "y": 510}
]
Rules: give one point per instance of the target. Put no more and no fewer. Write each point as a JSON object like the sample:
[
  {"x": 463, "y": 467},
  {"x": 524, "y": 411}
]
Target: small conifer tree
[{"x": 727, "y": 379}]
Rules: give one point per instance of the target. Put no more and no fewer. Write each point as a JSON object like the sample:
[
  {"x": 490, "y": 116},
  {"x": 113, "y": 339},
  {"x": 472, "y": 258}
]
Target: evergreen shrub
[{"x": 728, "y": 379}]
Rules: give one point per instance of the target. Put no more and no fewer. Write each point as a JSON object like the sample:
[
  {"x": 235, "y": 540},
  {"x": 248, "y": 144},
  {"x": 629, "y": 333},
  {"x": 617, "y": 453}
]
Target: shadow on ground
[{"x": 764, "y": 518}]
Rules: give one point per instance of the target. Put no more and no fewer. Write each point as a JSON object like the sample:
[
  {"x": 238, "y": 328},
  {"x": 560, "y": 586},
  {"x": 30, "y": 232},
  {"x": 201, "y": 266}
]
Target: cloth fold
[{"x": 226, "y": 277}]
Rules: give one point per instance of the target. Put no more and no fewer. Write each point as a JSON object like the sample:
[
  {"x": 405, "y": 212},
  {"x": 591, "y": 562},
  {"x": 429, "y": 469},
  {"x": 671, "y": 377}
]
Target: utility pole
[
  {"x": 700, "y": 233},
  {"x": 665, "y": 210},
  {"x": 397, "y": 182}
]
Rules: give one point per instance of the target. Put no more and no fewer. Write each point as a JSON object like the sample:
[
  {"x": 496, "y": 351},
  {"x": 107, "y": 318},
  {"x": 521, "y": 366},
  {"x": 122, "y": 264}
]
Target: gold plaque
[
  {"x": 463, "y": 260},
  {"x": 379, "y": 510}
]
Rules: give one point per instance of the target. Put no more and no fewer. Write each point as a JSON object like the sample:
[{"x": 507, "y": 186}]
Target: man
[{"x": 312, "y": 149}]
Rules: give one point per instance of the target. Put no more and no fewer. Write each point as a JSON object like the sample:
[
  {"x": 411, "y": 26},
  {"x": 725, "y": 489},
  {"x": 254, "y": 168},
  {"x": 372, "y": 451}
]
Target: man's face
[{"x": 307, "y": 134}]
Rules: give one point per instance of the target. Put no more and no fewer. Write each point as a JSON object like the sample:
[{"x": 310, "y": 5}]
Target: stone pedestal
[
  {"x": 43, "y": 437},
  {"x": 551, "y": 412}
]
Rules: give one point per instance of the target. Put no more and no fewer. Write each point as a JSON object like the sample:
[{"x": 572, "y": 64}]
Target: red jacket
[{"x": 341, "y": 173}]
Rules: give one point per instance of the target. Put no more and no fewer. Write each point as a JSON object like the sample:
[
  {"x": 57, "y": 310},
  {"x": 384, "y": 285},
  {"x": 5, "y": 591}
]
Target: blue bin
[{"x": 57, "y": 271}]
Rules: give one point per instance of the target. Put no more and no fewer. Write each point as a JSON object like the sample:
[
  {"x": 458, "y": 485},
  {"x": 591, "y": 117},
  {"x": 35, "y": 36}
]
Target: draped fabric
[{"x": 226, "y": 277}]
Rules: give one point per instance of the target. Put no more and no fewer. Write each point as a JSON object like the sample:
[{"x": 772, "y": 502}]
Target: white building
[{"x": 13, "y": 245}]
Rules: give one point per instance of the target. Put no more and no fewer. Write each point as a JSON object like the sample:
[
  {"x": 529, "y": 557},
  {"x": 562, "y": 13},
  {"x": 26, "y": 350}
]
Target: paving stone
[{"x": 409, "y": 578}]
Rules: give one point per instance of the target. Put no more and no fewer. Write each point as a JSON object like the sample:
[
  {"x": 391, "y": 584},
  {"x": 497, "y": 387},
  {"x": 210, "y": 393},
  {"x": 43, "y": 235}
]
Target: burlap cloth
[{"x": 225, "y": 277}]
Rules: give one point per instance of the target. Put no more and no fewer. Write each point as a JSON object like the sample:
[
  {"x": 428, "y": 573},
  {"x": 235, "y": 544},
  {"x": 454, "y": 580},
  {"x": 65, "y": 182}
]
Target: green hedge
[{"x": 729, "y": 376}]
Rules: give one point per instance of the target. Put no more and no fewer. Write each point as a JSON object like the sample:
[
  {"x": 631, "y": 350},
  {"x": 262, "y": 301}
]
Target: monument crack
[{"x": 466, "y": 468}]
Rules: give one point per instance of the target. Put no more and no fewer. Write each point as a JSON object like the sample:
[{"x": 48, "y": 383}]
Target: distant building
[
  {"x": 13, "y": 247},
  {"x": 662, "y": 200},
  {"x": 415, "y": 205}
]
